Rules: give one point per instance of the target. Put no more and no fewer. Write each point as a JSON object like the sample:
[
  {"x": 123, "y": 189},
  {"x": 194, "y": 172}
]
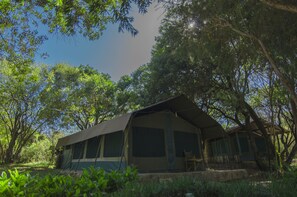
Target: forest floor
[{"x": 41, "y": 168}]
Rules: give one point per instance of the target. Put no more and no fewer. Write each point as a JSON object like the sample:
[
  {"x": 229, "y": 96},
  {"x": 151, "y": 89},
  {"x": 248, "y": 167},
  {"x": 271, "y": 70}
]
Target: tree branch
[
  {"x": 280, "y": 6},
  {"x": 284, "y": 79}
]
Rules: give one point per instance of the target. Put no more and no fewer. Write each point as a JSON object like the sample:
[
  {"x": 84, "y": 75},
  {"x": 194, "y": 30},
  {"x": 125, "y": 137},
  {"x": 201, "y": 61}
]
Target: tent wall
[
  {"x": 237, "y": 145},
  {"x": 110, "y": 151},
  {"x": 159, "y": 126},
  {"x": 246, "y": 153}
]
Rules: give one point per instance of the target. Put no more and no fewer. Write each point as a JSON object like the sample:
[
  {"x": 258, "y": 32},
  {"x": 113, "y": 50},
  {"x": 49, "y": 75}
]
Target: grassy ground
[{"x": 40, "y": 168}]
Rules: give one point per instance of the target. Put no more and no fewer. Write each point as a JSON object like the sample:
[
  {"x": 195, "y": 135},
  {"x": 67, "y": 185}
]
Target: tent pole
[
  {"x": 200, "y": 148},
  {"x": 100, "y": 138},
  {"x": 125, "y": 140}
]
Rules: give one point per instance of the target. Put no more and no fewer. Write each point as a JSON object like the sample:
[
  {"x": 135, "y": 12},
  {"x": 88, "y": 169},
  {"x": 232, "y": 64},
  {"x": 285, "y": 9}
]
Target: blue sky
[{"x": 114, "y": 53}]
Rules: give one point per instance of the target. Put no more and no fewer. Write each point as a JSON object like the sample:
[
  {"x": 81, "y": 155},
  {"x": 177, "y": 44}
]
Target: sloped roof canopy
[
  {"x": 110, "y": 126},
  {"x": 179, "y": 105},
  {"x": 190, "y": 112},
  {"x": 270, "y": 128}
]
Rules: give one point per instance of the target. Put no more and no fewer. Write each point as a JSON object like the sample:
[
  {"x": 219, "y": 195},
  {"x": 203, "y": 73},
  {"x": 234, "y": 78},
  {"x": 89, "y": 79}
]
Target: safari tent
[
  {"x": 236, "y": 145},
  {"x": 152, "y": 139}
]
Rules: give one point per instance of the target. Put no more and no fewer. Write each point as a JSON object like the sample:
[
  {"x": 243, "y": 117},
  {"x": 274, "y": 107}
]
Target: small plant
[
  {"x": 93, "y": 182},
  {"x": 13, "y": 183}
]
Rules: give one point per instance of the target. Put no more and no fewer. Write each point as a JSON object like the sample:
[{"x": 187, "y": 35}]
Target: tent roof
[
  {"x": 109, "y": 126},
  {"x": 189, "y": 111},
  {"x": 270, "y": 128},
  {"x": 180, "y": 105}
]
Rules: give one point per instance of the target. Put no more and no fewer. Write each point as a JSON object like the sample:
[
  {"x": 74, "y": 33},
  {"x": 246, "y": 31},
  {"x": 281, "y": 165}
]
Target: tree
[
  {"x": 199, "y": 54},
  {"x": 82, "y": 96},
  {"x": 21, "y": 112},
  {"x": 19, "y": 19},
  {"x": 220, "y": 86},
  {"x": 41, "y": 148},
  {"x": 134, "y": 91}
]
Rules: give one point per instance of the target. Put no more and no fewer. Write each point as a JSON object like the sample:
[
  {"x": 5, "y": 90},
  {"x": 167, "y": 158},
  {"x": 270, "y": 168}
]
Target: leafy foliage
[
  {"x": 92, "y": 182},
  {"x": 41, "y": 148},
  {"x": 22, "y": 112},
  {"x": 82, "y": 96},
  {"x": 228, "y": 57},
  {"x": 19, "y": 38}
]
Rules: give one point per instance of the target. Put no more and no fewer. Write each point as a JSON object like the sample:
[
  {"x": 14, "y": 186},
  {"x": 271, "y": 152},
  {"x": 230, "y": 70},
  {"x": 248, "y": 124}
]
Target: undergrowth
[{"x": 94, "y": 182}]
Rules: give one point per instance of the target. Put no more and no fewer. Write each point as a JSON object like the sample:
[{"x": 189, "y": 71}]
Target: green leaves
[
  {"x": 20, "y": 39},
  {"x": 93, "y": 182},
  {"x": 21, "y": 112},
  {"x": 82, "y": 96}
]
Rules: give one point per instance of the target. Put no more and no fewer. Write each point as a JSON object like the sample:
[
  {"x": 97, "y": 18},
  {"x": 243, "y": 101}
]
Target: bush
[
  {"x": 41, "y": 148},
  {"x": 37, "y": 151},
  {"x": 286, "y": 185},
  {"x": 92, "y": 182}
]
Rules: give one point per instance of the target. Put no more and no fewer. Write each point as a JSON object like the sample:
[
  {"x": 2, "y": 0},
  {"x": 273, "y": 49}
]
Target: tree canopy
[
  {"x": 20, "y": 20},
  {"x": 82, "y": 96},
  {"x": 22, "y": 113},
  {"x": 236, "y": 59}
]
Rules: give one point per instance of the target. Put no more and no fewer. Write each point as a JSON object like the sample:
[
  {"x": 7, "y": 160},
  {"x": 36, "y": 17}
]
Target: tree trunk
[
  {"x": 254, "y": 150},
  {"x": 261, "y": 127},
  {"x": 257, "y": 157},
  {"x": 281, "y": 6},
  {"x": 9, "y": 152},
  {"x": 294, "y": 149},
  {"x": 291, "y": 155},
  {"x": 2, "y": 156}
]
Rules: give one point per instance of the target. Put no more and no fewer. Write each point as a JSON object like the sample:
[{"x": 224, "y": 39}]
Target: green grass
[
  {"x": 40, "y": 168},
  {"x": 32, "y": 165},
  {"x": 193, "y": 187}
]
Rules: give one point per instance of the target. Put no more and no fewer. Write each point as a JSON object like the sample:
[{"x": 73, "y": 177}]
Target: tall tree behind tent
[
  {"x": 22, "y": 113},
  {"x": 82, "y": 96}
]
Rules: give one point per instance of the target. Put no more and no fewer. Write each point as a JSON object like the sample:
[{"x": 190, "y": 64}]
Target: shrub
[
  {"x": 93, "y": 182},
  {"x": 286, "y": 185},
  {"x": 37, "y": 151}
]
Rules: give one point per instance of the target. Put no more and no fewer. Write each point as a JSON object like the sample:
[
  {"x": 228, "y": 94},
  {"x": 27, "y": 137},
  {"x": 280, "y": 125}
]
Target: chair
[{"x": 192, "y": 163}]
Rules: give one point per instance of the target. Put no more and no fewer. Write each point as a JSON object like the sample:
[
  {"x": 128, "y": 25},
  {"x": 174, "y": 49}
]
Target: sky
[{"x": 114, "y": 53}]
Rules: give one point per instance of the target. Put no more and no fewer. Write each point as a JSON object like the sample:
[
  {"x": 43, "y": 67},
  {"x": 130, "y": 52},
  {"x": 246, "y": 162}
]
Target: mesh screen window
[
  {"x": 93, "y": 149},
  {"x": 185, "y": 142},
  {"x": 78, "y": 150},
  {"x": 113, "y": 144},
  {"x": 220, "y": 147},
  {"x": 235, "y": 144},
  {"x": 148, "y": 142},
  {"x": 244, "y": 144}
]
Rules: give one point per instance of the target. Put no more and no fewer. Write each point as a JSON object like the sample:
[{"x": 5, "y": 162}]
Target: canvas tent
[
  {"x": 238, "y": 143},
  {"x": 153, "y": 138}
]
